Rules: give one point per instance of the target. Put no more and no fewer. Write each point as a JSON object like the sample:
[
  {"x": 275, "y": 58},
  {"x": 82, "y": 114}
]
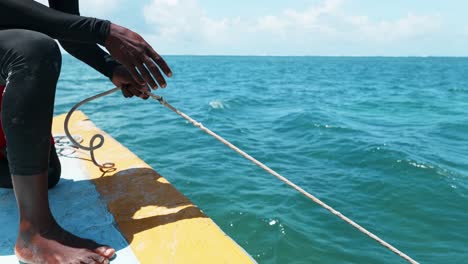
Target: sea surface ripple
[{"x": 383, "y": 140}]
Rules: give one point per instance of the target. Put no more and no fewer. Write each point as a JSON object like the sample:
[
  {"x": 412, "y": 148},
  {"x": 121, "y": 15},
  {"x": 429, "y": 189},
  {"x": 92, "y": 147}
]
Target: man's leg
[
  {"x": 54, "y": 172},
  {"x": 30, "y": 62},
  {"x": 55, "y": 168},
  {"x": 5, "y": 176}
]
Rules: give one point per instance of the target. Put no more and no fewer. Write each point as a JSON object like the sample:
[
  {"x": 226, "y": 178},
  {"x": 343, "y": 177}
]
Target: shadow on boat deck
[{"x": 140, "y": 199}]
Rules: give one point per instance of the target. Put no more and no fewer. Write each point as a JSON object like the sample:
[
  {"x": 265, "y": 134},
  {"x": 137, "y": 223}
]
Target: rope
[
  {"x": 245, "y": 155},
  {"x": 105, "y": 167},
  {"x": 64, "y": 147}
]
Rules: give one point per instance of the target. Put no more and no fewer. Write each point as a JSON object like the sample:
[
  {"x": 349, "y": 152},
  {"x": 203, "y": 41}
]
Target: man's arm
[
  {"x": 126, "y": 46},
  {"x": 89, "y": 53},
  {"x": 27, "y": 14}
]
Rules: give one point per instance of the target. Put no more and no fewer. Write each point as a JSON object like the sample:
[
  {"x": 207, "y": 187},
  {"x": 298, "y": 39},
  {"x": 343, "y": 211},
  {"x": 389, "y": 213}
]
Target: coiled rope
[
  {"x": 108, "y": 166},
  {"x": 161, "y": 100}
]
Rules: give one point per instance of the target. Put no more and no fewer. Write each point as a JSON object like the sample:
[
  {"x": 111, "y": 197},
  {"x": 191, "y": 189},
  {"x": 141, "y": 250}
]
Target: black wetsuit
[{"x": 30, "y": 63}]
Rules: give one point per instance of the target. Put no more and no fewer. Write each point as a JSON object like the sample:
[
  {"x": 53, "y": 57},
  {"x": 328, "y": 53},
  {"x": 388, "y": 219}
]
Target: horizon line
[{"x": 316, "y": 56}]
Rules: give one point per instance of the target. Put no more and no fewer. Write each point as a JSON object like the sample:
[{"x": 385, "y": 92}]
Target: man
[{"x": 30, "y": 63}]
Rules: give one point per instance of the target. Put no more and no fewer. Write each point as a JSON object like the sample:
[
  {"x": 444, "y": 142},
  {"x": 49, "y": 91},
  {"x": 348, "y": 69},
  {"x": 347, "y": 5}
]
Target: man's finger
[
  {"x": 145, "y": 94},
  {"x": 126, "y": 93},
  {"x": 139, "y": 91},
  {"x": 134, "y": 91},
  {"x": 159, "y": 61},
  {"x": 155, "y": 72},
  {"x": 147, "y": 76},
  {"x": 135, "y": 75}
]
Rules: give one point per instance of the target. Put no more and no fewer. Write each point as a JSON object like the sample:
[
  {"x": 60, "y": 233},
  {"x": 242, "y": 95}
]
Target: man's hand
[
  {"x": 134, "y": 53},
  {"x": 122, "y": 78}
]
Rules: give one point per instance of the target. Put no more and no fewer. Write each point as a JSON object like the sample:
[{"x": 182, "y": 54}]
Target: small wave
[
  {"x": 420, "y": 165},
  {"x": 217, "y": 104},
  {"x": 458, "y": 89},
  {"x": 433, "y": 168}
]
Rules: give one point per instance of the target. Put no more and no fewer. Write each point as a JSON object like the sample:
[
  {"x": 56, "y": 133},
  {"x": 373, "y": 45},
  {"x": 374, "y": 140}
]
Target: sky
[{"x": 293, "y": 27}]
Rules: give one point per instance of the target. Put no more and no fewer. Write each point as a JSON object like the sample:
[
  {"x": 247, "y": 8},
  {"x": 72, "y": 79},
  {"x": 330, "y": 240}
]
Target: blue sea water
[{"x": 383, "y": 140}]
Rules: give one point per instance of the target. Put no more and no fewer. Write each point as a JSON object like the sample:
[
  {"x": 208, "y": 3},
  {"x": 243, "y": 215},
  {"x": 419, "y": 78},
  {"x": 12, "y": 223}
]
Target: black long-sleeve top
[{"x": 78, "y": 35}]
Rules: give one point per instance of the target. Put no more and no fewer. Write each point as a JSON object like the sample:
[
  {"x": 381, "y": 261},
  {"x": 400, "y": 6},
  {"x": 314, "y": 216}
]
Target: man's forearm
[
  {"x": 27, "y": 14},
  {"x": 91, "y": 54}
]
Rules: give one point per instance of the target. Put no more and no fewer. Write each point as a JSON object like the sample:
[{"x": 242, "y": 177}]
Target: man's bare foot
[{"x": 56, "y": 245}]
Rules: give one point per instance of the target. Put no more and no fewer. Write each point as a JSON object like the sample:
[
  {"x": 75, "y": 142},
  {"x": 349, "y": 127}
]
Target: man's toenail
[{"x": 108, "y": 251}]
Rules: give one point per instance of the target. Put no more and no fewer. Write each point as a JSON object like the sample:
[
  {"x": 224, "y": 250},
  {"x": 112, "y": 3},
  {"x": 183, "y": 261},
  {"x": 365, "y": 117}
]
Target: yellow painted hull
[{"x": 159, "y": 223}]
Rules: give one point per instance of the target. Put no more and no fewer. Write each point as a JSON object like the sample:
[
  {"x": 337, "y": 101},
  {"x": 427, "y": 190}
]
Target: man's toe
[
  {"x": 105, "y": 251},
  {"x": 100, "y": 259}
]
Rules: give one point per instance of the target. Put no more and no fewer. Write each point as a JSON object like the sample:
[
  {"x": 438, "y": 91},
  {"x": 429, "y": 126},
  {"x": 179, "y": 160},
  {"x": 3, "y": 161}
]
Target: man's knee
[{"x": 38, "y": 52}]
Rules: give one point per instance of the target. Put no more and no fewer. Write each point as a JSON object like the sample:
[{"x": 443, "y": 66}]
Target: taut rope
[{"x": 161, "y": 100}]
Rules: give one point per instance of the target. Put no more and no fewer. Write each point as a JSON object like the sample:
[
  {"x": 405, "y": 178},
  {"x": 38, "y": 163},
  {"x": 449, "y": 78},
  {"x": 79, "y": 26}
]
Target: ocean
[{"x": 382, "y": 140}]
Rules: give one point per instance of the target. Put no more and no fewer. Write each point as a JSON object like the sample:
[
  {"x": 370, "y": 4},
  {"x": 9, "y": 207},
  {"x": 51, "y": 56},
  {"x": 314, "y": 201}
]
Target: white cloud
[
  {"x": 409, "y": 26},
  {"x": 98, "y": 8},
  {"x": 184, "y": 27},
  {"x": 44, "y": 2},
  {"x": 330, "y": 21},
  {"x": 184, "y": 20}
]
